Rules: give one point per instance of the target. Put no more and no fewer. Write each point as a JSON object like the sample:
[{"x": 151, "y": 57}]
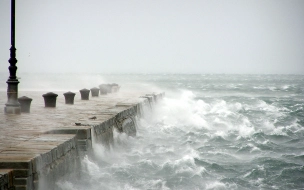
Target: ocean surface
[{"x": 209, "y": 132}]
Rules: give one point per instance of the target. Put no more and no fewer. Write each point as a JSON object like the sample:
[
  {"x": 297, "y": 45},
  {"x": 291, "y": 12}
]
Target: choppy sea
[{"x": 209, "y": 132}]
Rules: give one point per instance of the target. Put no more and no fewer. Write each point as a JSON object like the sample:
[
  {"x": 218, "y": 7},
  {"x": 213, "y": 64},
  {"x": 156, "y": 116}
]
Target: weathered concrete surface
[{"x": 37, "y": 147}]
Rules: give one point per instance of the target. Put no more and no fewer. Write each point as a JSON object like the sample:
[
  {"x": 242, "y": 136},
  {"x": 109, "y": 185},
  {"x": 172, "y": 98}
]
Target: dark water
[{"x": 210, "y": 132}]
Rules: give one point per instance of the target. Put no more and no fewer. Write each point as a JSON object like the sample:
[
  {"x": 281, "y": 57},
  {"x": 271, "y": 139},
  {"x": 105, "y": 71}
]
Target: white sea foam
[
  {"x": 184, "y": 110},
  {"x": 128, "y": 187},
  {"x": 216, "y": 185},
  {"x": 272, "y": 88},
  {"x": 285, "y": 87},
  {"x": 91, "y": 168},
  {"x": 189, "y": 112}
]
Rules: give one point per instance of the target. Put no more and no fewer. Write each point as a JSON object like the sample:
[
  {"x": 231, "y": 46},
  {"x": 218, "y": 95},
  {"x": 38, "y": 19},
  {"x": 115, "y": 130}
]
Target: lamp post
[{"x": 12, "y": 106}]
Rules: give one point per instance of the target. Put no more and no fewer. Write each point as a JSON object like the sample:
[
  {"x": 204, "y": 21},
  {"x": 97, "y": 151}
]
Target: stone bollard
[
  {"x": 109, "y": 88},
  {"x": 25, "y": 104},
  {"x": 69, "y": 97},
  {"x": 103, "y": 89},
  {"x": 95, "y": 91},
  {"x": 84, "y": 94},
  {"x": 115, "y": 87},
  {"x": 50, "y": 99}
]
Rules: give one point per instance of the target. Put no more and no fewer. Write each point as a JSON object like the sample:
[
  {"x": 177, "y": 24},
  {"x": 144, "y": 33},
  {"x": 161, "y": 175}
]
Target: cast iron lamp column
[{"x": 12, "y": 106}]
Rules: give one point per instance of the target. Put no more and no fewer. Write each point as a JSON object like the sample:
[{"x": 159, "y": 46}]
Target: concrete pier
[{"x": 40, "y": 147}]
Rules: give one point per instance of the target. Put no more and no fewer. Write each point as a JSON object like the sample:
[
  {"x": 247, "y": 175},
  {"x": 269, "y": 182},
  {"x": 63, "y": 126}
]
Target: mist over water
[{"x": 209, "y": 132}]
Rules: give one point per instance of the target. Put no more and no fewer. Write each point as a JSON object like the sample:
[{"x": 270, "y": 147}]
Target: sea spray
[{"x": 223, "y": 132}]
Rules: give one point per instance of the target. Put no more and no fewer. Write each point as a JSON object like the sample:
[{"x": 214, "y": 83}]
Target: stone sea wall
[{"x": 38, "y": 162}]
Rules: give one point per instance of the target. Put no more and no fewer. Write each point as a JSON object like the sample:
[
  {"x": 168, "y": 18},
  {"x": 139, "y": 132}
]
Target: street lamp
[{"x": 12, "y": 106}]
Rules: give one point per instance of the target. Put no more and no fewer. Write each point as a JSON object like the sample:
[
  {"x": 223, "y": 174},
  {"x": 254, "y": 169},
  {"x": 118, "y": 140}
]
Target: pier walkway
[{"x": 46, "y": 142}]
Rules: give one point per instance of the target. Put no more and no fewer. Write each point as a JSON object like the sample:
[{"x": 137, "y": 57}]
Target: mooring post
[{"x": 12, "y": 106}]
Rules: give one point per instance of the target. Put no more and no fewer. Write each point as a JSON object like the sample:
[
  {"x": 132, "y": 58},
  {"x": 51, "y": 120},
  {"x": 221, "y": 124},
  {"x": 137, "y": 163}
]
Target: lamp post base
[
  {"x": 12, "y": 109},
  {"x": 12, "y": 106}
]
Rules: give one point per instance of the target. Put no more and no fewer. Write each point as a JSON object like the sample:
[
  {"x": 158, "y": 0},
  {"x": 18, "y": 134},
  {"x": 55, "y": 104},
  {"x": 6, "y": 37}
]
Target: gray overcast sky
[{"x": 155, "y": 36}]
